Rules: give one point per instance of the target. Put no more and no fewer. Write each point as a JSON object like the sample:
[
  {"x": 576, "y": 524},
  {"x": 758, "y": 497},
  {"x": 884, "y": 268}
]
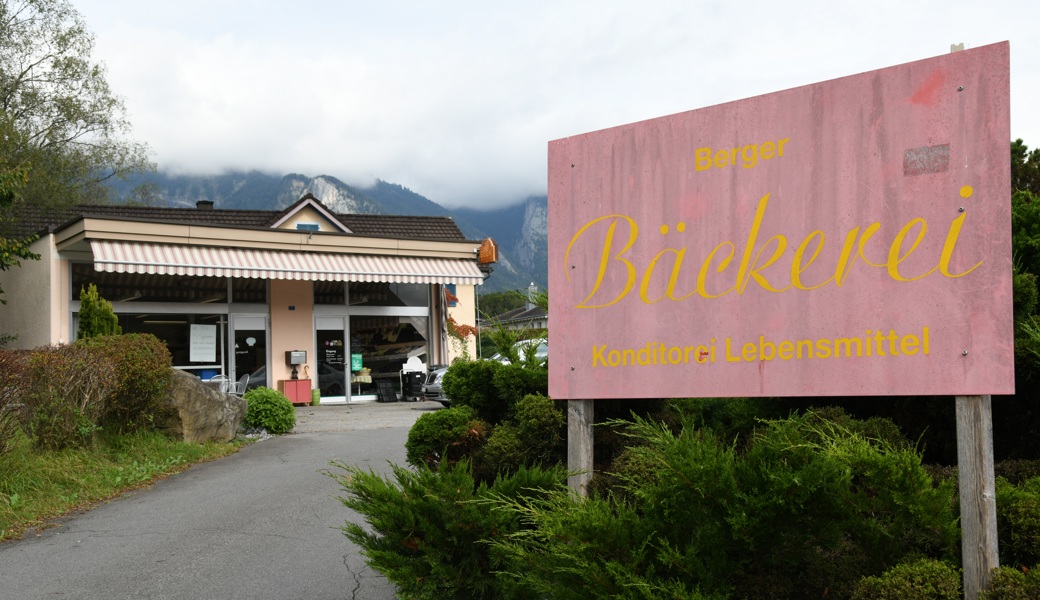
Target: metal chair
[
  {"x": 223, "y": 383},
  {"x": 239, "y": 387}
]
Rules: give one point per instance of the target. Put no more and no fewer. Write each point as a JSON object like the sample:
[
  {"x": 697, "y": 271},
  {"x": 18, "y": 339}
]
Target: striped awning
[{"x": 206, "y": 261}]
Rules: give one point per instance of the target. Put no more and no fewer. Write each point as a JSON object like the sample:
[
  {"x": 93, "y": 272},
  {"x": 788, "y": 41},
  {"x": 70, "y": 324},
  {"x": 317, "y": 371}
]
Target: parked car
[
  {"x": 432, "y": 386},
  {"x": 541, "y": 351}
]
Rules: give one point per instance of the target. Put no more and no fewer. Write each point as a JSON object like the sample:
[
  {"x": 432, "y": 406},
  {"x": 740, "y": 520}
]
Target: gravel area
[{"x": 363, "y": 415}]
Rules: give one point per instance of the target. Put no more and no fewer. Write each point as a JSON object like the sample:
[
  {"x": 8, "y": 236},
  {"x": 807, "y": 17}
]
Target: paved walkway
[{"x": 261, "y": 524}]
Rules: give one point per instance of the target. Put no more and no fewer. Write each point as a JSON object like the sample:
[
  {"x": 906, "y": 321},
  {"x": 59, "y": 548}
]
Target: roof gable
[{"x": 309, "y": 210}]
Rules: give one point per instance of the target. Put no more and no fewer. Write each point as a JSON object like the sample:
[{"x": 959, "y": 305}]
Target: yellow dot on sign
[
  {"x": 966, "y": 191},
  {"x": 664, "y": 229},
  {"x": 681, "y": 227}
]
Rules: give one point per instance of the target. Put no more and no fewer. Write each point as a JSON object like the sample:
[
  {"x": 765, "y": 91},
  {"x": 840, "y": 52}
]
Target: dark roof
[
  {"x": 33, "y": 220},
  {"x": 521, "y": 314}
]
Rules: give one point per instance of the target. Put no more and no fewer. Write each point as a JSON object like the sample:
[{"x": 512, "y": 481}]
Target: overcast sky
[{"x": 458, "y": 100}]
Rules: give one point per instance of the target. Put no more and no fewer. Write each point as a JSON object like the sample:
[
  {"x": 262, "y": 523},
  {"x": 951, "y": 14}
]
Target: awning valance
[{"x": 207, "y": 261}]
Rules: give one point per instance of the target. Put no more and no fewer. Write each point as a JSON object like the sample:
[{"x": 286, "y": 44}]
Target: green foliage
[
  {"x": 808, "y": 507},
  {"x": 537, "y": 435},
  {"x": 12, "y": 251},
  {"x": 142, "y": 364},
  {"x": 96, "y": 316},
  {"x": 1018, "y": 522},
  {"x": 1013, "y": 584},
  {"x": 470, "y": 383},
  {"x": 67, "y": 390},
  {"x": 496, "y": 303},
  {"x": 924, "y": 579},
  {"x": 428, "y": 530},
  {"x": 444, "y": 436},
  {"x": 1025, "y": 167},
  {"x": 269, "y": 409},
  {"x": 59, "y": 117},
  {"x": 13, "y": 376}
]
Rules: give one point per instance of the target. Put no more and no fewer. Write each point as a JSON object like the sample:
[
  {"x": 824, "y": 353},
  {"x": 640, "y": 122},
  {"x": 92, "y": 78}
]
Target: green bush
[
  {"x": 513, "y": 383},
  {"x": 66, "y": 391},
  {"x": 143, "y": 373},
  {"x": 446, "y": 435},
  {"x": 470, "y": 383},
  {"x": 807, "y": 508},
  {"x": 269, "y": 409},
  {"x": 537, "y": 435},
  {"x": 96, "y": 317},
  {"x": 1013, "y": 584},
  {"x": 925, "y": 579},
  {"x": 1018, "y": 522},
  {"x": 13, "y": 377},
  {"x": 428, "y": 529}
]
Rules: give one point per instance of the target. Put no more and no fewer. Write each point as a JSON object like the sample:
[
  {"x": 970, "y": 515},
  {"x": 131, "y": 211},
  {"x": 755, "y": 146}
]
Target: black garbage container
[{"x": 411, "y": 386}]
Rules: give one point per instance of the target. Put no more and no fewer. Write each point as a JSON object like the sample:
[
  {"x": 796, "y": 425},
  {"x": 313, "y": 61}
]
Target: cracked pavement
[{"x": 263, "y": 523}]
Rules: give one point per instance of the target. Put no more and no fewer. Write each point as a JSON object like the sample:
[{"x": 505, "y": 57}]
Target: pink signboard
[{"x": 851, "y": 237}]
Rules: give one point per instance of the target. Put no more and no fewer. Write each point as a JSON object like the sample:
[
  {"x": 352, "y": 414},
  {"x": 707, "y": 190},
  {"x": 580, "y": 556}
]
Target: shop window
[{"x": 330, "y": 292}]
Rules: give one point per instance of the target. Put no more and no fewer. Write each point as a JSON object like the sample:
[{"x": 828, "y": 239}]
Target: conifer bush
[
  {"x": 428, "y": 529},
  {"x": 447, "y": 435},
  {"x": 1018, "y": 522},
  {"x": 807, "y": 508},
  {"x": 1010, "y": 583},
  {"x": 924, "y": 579},
  {"x": 269, "y": 409}
]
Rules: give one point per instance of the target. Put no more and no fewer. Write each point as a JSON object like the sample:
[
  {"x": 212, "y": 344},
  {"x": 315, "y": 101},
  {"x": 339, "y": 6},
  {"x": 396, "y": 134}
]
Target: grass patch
[{"x": 37, "y": 486}]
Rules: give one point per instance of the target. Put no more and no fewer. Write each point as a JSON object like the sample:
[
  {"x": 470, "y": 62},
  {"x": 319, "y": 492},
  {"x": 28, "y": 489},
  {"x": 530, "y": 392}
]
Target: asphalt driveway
[{"x": 261, "y": 524}]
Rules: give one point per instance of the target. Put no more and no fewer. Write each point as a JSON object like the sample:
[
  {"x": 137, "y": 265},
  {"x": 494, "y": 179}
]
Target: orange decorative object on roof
[{"x": 488, "y": 252}]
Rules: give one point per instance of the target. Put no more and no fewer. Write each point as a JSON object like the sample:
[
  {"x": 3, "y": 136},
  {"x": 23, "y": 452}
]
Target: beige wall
[
  {"x": 291, "y": 329},
  {"x": 464, "y": 313},
  {"x": 37, "y": 296}
]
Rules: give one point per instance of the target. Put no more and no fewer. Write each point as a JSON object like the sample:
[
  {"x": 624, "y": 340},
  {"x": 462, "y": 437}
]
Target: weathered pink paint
[{"x": 867, "y": 217}]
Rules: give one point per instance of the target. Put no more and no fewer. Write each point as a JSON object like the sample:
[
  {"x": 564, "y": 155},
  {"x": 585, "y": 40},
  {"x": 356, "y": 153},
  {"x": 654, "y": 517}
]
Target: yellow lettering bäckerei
[{"x": 760, "y": 264}]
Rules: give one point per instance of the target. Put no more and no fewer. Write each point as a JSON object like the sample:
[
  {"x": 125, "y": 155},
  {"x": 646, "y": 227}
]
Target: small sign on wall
[{"x": 355, "y": 362}]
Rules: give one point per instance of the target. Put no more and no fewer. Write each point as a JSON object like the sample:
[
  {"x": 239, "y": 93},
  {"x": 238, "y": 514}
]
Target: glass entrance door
[
  {"x": 332, "y": 359},
  {"x": 249, "y": 346}
]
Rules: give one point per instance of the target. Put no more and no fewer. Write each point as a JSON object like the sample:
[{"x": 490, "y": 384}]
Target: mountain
[{"x": 521, "y": 230}]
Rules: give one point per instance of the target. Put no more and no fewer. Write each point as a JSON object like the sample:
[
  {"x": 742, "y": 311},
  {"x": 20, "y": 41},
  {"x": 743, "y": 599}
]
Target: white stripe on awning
[{"x": 166, "y": 259}]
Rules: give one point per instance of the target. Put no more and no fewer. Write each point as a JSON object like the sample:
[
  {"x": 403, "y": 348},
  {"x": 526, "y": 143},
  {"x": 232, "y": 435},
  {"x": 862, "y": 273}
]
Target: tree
[
  {"x": 1025, "y": 168},
  {"x": 59, "y": 118},
  {"x": 96, "y": 317},
  {"x": 12, "y": 251}
]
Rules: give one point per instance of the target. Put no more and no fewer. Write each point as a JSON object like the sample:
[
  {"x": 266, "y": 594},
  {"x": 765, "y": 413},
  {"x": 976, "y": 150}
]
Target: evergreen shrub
[
  {"x": 446, "y": 435},
  {"x": 471, "y": 383},
  {"x": 924, "y": 579},
  {"x": 428, "y": 530},
  {"x": 96, "y": 316},
  {"x": 807, "y": 508},
  {"x": 143, "y": 373},
  {"x": 1010, "y": 583},
  {"x": 1018, "y": 522},
  {"x": 269, "y": 409},
  {"x": 536, "y": 435}
]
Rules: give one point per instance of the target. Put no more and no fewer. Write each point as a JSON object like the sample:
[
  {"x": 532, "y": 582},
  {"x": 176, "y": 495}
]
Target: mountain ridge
[{"x": 520, "y": 229}]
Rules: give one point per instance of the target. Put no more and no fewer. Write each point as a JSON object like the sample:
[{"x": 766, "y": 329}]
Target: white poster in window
[{"x": 203, "y": 343}]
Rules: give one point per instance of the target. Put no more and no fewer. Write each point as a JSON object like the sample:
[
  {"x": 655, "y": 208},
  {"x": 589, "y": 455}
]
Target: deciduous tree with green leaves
[{"x": 60, "y": 120}]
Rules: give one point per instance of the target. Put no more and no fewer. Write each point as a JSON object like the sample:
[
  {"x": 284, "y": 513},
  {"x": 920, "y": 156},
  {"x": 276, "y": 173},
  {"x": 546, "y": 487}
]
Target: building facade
[{"x": 347, "y": 303}]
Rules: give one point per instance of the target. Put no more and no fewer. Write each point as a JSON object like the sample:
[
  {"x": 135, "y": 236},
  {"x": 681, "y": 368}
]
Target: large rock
[{"x": 200, "y": 413}]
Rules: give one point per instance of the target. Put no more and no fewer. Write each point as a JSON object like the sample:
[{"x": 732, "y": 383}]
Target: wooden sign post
[{"x": 978, "y": 496}]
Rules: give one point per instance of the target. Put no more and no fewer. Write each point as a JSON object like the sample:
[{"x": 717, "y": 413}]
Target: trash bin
[{"x": 411, "y": 386}]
